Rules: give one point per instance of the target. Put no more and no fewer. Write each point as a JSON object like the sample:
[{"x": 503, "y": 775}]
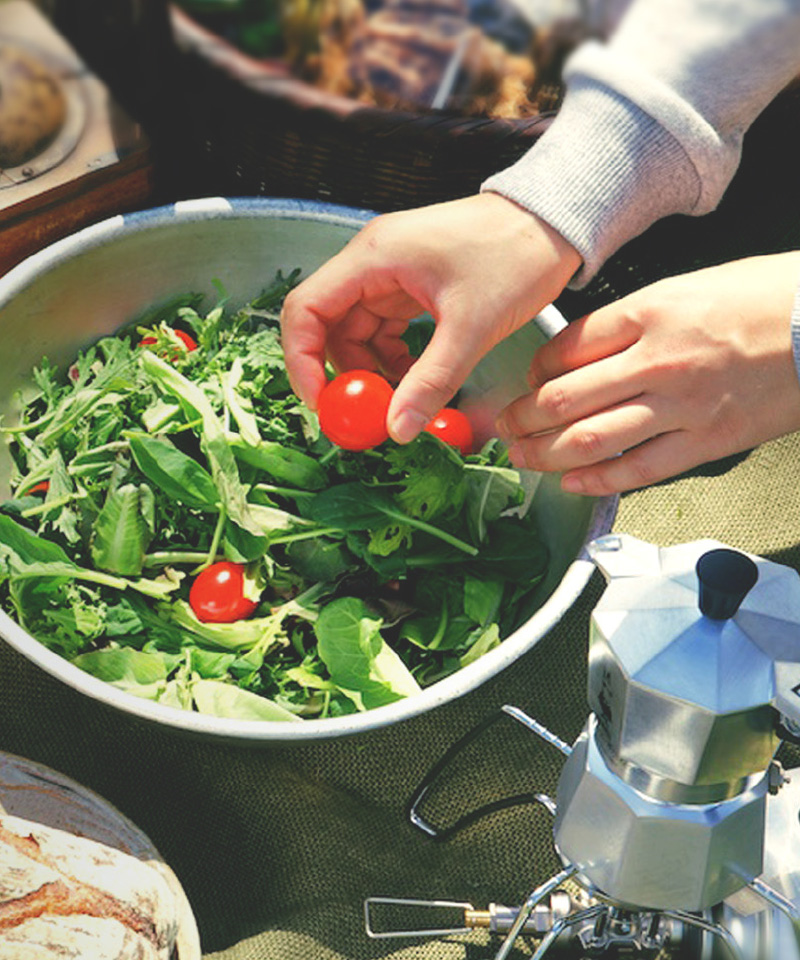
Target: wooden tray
[{"x": 105, "y": 169}]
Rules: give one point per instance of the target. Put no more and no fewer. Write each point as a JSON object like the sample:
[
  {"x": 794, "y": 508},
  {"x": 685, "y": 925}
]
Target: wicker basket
[{"x": 261, "y": 132}]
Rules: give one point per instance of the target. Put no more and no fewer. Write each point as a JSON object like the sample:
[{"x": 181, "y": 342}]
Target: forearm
[{"x": 652, "y": 123}]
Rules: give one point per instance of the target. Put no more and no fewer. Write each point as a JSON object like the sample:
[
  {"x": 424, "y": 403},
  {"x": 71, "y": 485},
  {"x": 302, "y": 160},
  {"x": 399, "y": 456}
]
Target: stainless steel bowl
[{"x": 89, "y": 284}]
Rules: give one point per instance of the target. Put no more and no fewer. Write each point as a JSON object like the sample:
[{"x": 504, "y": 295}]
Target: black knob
[{"x": 726, "y": 577}]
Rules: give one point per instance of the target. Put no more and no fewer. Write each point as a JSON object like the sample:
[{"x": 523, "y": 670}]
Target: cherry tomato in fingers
[
  {"x": 217, "y": 594},
  {"x": 352, "y": 409},
  {"x": 453, "y": 427}
]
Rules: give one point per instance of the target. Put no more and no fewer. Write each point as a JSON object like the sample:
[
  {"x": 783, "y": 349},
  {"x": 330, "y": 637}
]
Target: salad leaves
[{"x": 382, "y": 571}]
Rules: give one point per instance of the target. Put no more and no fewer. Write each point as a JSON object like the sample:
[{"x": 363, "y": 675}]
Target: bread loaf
[{"x": 64, "y": 896}]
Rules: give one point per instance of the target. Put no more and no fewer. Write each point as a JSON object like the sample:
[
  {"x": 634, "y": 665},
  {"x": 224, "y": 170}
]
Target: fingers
[
  {"x": 391, "y": 352},
  {"x": 593, "y": 439},
  {"x": 658, "y": 459},
  {"x": 573, "y": 396},
  {"x": 367, "y": 341},
  {"x": 605, "y": 472},
  {"x": 435, "y": 377},
  {"x": 591, "y": 338},
  {"x": 308, "y": 312}
]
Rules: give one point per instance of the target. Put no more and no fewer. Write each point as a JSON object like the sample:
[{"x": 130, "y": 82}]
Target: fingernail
[
  {"x": 501, "y": 426},
  {"x": 572, "y": 483},
  {"x": 406, "y": 425}
]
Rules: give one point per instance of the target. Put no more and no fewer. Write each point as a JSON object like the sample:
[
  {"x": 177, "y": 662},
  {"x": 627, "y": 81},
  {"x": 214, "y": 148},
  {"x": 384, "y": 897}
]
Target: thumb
[{"x": 434, "y": 378}]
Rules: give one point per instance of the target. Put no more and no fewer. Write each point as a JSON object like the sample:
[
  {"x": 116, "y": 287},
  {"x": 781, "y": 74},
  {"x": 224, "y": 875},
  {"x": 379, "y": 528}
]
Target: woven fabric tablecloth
[{"x": 278, "y": 847}]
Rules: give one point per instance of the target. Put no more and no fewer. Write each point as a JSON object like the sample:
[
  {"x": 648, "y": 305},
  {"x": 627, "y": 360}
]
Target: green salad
[{"x": 177, "y": 446}]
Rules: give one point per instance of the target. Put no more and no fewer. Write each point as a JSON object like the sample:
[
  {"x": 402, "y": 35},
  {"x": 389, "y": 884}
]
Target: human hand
[
  {"x": 481, "y": 266},
  {"x": 687, "y": 370}
]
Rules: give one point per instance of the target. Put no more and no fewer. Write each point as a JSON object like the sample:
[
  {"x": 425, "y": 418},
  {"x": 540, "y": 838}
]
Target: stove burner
[{"x": 671, "y": 813}]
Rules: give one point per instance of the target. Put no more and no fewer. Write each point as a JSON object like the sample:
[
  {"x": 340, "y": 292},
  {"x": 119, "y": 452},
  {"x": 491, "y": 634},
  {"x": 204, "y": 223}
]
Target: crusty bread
[
  {"x": 32, "y": 106},
  {"x": 64, "y": 896}
]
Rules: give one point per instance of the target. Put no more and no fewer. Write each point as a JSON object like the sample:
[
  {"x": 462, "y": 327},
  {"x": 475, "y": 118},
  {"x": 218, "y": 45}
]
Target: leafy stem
[
  {"x": 163, "y": 558},
  {"x": 306, "y": 535},
  {"x": 52, "y": 504},
  {"x": 285, "y": 491},
  {"x": 215, "y": 541},
  {"x": 433, "y": 531}
]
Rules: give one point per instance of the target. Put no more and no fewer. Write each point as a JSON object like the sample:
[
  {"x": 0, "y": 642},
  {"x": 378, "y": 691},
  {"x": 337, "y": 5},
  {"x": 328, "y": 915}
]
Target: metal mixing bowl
[{"x": 88, "y": 285}]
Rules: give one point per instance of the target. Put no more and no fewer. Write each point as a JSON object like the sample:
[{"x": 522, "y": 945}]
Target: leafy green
[
  {"x": 173, "y": 472},
  {"x": 123, "y": 529},
  {"x": 356, "y": 506},
  {"x": 226, "y": 700},
  {"x": 212, "y": 442},
  {"x": 279, "y": 462},
  {"x": 375, "y": 573},
  {"x": 358, "y": 658}
]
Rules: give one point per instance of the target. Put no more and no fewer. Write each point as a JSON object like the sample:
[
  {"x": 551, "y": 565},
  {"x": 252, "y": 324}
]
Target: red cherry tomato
[
  {"x": 217, "y": 594},
  {"x": 453, "y": 427},
  {"x": 188, "y": 340},
  {"x": 353, "y": 408},
  {"x": 41, "y": 487}
]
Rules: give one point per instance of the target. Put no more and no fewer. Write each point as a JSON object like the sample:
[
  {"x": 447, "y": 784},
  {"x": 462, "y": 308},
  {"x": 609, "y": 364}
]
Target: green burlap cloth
[{"x": 278, "y": 847}]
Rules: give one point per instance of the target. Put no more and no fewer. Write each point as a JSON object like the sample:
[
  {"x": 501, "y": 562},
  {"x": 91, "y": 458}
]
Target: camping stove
[{"x": 677, "y": 829}]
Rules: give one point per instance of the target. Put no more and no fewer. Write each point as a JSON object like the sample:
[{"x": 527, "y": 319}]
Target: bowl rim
[{"x": 468, "y": 678}]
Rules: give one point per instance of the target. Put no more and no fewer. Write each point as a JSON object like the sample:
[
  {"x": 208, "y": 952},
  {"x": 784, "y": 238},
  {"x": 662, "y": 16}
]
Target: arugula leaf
[
  {"x": 482, "y": 599},
  {"x": 157, "y": 589},
  {"x": 122, "y": 619},
  {"x": 490, "y": 491},
  {"x": 386, "y": 540},
  {"x": 484, "y": 640},
  {"x": 123, "y": 530},
  {"x": 418, "y": 334},
  {"x": 239, "y": 406},
  {"x": 173, "y": 472},
  {"x": 433, "y": 482},
  {"x": 513, "y": 552},
  {"x": 25, "y": 555},
  {"x": 354, "y": 506},
  {"x": 319, "y": 560},
  {"x": 438, "y": 632},
  {"x": 272, "y": 298},
  {"x": 209, "y": 664},
  {"x": 280, "y": 462},
  {"x": 27, "y": 546},
  {"x": 212, "y": 440}
]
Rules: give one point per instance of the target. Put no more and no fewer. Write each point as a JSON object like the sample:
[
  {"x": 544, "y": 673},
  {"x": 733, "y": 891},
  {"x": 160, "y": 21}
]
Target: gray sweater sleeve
[
  {"x": 795, "y": 326},
  {"x": 653, "y": 120}
]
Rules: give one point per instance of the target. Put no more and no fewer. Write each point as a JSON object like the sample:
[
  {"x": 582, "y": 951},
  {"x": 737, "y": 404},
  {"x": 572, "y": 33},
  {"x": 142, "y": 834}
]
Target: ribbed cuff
[
  {"x": 795, "y": 328},
  {"x": 601, "y": 175}
]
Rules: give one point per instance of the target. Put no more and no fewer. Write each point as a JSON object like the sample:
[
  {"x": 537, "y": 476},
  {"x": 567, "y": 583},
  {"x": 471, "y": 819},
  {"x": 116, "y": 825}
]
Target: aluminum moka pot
[{"x": 694, "y": 672}]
